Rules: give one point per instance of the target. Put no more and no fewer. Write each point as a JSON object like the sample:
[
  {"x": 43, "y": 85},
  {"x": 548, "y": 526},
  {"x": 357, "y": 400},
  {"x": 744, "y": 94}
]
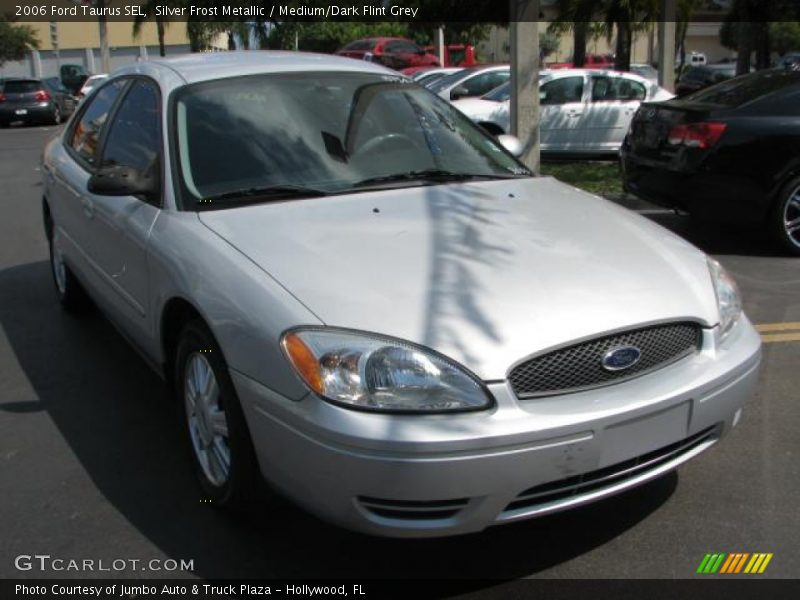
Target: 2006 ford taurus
[{"x": 361, "y": 296}]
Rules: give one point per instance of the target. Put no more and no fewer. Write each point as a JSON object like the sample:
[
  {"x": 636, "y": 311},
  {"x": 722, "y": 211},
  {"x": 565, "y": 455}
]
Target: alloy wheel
[
  {"x": 791, "y": 217},
  {"x": 208, "y": 423}
]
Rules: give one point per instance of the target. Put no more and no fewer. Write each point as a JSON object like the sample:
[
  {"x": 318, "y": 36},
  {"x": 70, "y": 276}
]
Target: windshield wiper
[
  {"x": 256, "y": 195},
  {"x": 434, "y": 175}
]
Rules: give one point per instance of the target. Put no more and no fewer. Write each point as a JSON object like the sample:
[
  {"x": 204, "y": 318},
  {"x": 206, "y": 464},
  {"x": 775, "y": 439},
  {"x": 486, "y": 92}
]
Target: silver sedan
[{"x": 360, "y": 295}]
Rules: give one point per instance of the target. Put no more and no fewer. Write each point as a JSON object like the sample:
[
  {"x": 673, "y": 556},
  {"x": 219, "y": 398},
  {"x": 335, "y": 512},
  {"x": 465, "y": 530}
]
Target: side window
[
  {"x": 603, "y": 89},
  {"x": 562, "y": 91},
  {"x": 85, "y": 137},
  {"x": 134, "y": 139},
  {"x": 608, "y": 89},
  {"x": 485, "y": 82},
  {"x": 629, "y": 90}
]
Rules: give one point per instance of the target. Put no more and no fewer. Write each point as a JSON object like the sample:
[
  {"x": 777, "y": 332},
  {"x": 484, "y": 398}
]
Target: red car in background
[
  {"x": 593, "y": 61},
  {"x": 395, "y": 53}
]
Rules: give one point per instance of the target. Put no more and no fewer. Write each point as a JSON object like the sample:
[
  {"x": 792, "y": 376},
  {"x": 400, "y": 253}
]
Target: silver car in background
[
  {"x": 581, "y": 111},
  {"x": 360, "y": 295}
]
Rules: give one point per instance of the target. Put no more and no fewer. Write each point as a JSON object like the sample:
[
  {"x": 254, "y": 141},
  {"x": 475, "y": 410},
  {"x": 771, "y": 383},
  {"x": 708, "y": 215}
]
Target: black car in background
[
  {"x": 34, "y": 101},
  {"x": 701, "y": 76},
  {"x": 730, "y": 151}
]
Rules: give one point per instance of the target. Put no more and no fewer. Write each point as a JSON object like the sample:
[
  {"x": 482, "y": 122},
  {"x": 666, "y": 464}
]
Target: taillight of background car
[
  {"x": 696, "y": 135},
  {"x": 42, "y": 96}
]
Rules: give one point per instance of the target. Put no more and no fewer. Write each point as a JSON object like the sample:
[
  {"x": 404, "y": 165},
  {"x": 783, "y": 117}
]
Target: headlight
[
  {"x": 728, "y": 300},
  {"x": 381, "y": 374}
]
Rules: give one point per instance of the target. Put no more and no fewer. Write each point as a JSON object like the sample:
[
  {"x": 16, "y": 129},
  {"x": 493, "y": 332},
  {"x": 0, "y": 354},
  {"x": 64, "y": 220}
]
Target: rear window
[
  {"x": 21, "y": 87},
  {"x": 747, "y": 88}
]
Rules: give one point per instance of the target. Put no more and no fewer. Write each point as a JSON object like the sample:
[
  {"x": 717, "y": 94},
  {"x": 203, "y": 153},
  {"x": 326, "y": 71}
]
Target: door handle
[
  {"x": 574, "y": 113},
  {"x": 88, "y": 207}
]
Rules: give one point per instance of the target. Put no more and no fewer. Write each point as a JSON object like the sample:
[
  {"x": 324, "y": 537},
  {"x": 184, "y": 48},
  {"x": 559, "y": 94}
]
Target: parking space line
[{"x": 792, "y": 330}]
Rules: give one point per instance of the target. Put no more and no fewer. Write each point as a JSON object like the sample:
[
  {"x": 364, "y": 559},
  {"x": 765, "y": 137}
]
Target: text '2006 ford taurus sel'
[{"x": 364, "y": 297}]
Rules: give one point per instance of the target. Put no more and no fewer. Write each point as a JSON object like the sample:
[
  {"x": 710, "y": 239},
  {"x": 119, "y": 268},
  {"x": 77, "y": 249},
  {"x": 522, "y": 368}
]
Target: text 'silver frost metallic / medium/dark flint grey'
[{"x": 367, "y": 300}]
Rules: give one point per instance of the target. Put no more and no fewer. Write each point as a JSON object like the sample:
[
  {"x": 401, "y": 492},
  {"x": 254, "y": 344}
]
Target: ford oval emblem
[{"x": 620, "y": 358}]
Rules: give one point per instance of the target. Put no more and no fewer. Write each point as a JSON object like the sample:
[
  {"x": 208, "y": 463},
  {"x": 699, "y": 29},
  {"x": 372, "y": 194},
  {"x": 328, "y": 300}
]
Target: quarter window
[{"x": 85, "y": 139}]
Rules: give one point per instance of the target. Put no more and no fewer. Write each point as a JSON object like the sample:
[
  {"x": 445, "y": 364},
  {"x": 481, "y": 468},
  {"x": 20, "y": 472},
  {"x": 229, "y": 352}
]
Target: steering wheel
[{"x": 388, "y": 141}]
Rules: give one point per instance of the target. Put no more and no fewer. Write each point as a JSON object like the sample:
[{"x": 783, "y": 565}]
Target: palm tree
[
  {"x": 149, "y": 8},
  {"x": 575, "y": 15},
  {"x": 627, "y": 17}
]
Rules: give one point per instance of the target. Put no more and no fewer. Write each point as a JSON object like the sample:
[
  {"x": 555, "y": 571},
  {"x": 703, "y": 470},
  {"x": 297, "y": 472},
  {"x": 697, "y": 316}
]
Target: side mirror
[
  {"x": 511, "y": 143},
  {"x": 458, "y": 92},
  {"x": 119, "y": 180}
]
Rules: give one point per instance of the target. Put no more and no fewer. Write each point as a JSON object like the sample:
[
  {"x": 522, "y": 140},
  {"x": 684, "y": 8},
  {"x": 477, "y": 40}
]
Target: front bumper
[{"x": 418, "y": 476}]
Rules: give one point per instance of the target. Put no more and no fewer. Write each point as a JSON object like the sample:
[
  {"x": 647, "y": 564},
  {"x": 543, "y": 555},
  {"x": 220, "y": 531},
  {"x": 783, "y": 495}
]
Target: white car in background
[
  {"x": 426, "y": 77},
  {"x": 582, "y": 111},
  {"x": 471, "y": 82},
  {"x": 91, "y": 83}
]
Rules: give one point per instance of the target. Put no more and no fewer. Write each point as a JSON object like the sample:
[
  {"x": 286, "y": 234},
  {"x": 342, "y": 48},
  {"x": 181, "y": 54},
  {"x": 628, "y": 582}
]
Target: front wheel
[
  {"x": 218, "y": 436},
  {"x": 785, "y": 223}
]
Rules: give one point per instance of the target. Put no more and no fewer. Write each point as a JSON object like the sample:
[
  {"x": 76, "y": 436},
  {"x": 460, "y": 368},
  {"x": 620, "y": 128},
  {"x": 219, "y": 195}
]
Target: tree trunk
[
  {"x": 162, "y": 51},
  {"x": 762, "y": 45},
  {"x": 579, "y": 30},
  {"x": 744, "y": 47},
  {"x": 622, "y": 60}
]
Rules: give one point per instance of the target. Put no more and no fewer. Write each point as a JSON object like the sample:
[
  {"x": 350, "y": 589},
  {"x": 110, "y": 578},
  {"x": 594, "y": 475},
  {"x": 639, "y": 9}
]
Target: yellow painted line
[
  {"x": 777, "y": 327},
  {"x": 780, "y": 337},
  {"x": 768, "y": 332}
]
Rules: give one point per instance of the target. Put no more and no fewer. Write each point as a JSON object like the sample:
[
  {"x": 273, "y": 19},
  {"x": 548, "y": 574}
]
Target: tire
[
  {"x": 69, "y": 291},
  {"x": 785, "y": 220},
  {"x": 217, "y": 433}
]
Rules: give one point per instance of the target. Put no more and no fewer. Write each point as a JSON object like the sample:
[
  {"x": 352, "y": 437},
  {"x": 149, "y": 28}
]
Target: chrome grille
[{"x": 579, "y": 366}]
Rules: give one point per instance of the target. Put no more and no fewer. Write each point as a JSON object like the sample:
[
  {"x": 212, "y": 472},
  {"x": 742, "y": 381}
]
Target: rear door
[
  {"x": 613, "y": 102},
  {"x": 561, "y": 113},
  {"x": 66, "y": 178}
]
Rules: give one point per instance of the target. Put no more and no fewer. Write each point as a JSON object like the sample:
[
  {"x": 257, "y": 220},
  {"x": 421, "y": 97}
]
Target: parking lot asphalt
[{"x": 93, "y": 465}]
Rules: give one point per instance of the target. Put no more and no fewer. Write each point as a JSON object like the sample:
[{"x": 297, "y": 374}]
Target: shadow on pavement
[{"x": 115, "y": 415}]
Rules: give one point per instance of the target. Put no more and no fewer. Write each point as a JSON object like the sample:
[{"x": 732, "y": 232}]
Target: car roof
[
  {"x": 559, "y": 73},
  {"x": 193, "y": 68}
]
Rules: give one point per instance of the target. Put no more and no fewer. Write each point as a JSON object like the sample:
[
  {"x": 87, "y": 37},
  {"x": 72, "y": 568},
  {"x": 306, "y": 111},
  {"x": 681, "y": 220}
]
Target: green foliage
[
  {"x": 784, "y": 36},
  {"x": 549, "y": 42},
  {"x": 15, "y": 40}
]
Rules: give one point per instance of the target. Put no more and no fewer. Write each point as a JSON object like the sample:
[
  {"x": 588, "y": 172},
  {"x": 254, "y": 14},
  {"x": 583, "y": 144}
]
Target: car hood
[{"x": 486, "y": 273}]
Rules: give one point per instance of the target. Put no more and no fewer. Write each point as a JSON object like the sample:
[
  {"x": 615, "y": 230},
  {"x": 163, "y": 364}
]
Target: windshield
[
  {"x": 324, "y": 133},
  {"x": 500, "y": 94},
  {"x": 448, "y": 80}
]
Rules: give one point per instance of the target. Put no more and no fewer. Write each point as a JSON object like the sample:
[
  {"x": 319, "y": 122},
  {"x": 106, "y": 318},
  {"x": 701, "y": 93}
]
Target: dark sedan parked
[
  {"x": 34, "y": 101},
  {"x": 729, "y": 151},
  {"x": 701, "y": 76}
]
